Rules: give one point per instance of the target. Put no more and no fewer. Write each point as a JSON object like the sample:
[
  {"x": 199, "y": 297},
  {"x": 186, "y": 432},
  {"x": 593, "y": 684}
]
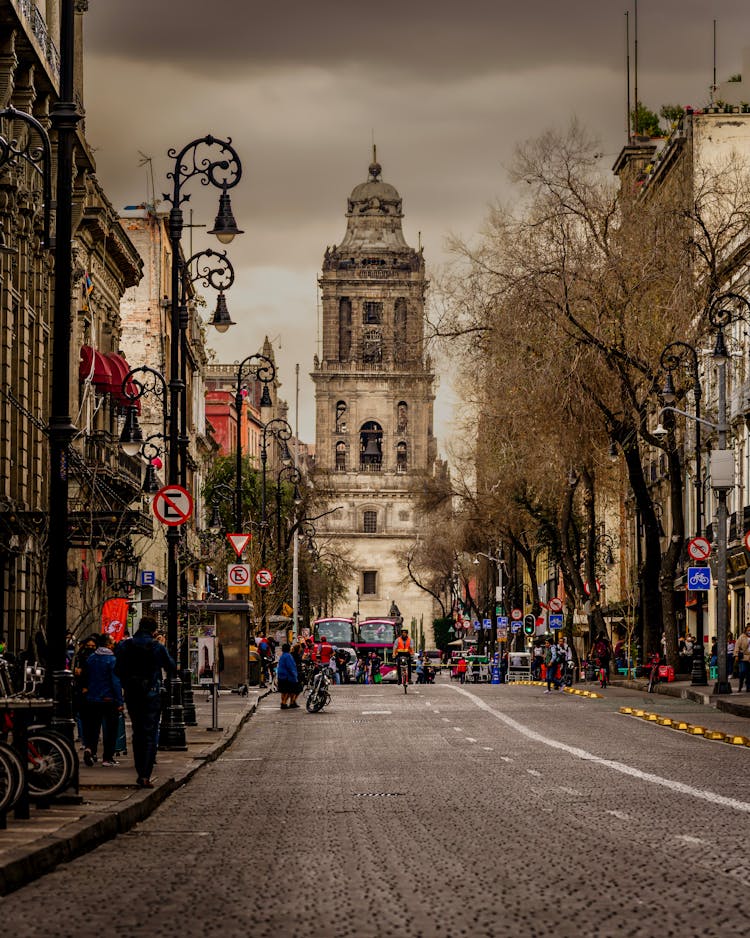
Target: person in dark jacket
[
  {"x": 140, "y": 663},
  {"x": 101, "y": 703},
  {"x": 287, "y": 679}
]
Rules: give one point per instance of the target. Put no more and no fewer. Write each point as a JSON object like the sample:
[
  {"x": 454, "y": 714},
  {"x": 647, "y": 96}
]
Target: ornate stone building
[{"x": 374, "y": 402}]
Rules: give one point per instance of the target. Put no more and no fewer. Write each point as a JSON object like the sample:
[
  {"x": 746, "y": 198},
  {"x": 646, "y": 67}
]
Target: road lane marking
[
  {"x": 693, "y": 841},
  {"x": 620, "y": 815},
  {"x": 534, "y": 773},
  {"x": 445, "y": 720},
  {"x": 367, "y": 713},
  {"x": 470, "y": 739},
  {"x": 678, "y": 787},
  {"x": 458, "y": 729},
  {"x": 488, "y": 748},
  {"x": 569, "y": 791},
  {"x": 506, "y": 758}
]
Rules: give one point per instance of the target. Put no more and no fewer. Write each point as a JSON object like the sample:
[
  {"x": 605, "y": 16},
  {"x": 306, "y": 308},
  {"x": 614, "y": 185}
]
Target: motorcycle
[{"x": 319, "y": 695}]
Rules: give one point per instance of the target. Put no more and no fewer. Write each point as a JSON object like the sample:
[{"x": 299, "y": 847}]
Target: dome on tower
[
  {"x": 374, "y": 195},
  {"x": 374, "y": 215}
]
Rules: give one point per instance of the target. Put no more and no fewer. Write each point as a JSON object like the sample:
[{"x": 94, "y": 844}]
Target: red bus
[
  {"x": 339, "y": 632},
  {"x": 379, "y": 635}
]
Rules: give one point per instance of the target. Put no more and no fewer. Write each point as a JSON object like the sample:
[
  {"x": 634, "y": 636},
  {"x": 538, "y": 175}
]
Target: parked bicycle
[
  {"x": 51, "y": 759},
  {"x": 319, "y": 696}
]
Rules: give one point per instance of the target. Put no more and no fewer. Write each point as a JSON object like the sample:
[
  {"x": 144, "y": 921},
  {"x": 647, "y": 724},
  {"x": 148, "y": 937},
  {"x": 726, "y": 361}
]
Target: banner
[{"x": 115, "y": 618}]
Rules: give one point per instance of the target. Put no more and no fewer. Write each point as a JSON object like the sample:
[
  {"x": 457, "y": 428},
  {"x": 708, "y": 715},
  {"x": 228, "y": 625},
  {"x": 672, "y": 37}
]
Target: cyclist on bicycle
[{"x": 402, "y": 651}]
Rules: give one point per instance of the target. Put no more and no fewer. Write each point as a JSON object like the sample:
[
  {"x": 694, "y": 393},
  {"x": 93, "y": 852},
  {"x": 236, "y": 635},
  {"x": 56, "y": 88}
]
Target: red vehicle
[{"x": 339, "y": 632}]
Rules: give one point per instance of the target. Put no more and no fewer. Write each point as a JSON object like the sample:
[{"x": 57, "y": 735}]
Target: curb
[
  {"x": 733, "y": 739},
  {"x": 28, "y": 863},
  {"x": 706, "y": 699}
]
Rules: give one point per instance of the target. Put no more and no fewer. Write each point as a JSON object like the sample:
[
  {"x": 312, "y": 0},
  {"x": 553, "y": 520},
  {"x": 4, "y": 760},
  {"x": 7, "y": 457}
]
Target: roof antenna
[
  {"x": 635, "y": 69},
  {"x": 713, "y": 84},
  {"x": 627, "y": 73}
]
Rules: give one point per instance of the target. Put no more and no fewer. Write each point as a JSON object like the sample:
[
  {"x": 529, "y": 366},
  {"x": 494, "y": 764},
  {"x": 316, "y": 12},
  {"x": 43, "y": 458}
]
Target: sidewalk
[
  {"x": 735, "y": 703},
  {"x": 112, "y": 803}
]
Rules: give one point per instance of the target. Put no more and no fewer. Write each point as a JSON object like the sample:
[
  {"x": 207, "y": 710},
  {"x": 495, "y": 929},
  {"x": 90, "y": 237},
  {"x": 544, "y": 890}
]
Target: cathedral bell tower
[{"x": 374, "y": 398}]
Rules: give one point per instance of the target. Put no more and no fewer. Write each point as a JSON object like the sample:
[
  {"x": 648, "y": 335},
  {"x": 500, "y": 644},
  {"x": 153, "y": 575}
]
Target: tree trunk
[
  {"x": 650, "y": 572},
  {"x": 595, "y": 616},
  {"x": 671, "y": 556}
]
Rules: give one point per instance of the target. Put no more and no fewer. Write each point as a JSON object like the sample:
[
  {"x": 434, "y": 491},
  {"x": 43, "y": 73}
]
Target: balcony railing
[
  {"x": 39, "y": 30},
  {"x": 370, "y": 467}
]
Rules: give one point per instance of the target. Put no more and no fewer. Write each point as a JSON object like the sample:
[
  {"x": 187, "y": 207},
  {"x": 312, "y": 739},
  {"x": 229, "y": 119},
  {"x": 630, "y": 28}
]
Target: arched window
[
  {"x": 370, "y": 522},
  {"x": 341, "y": 416},
  {"x": 340, "y": 457},
  {"x": 345, "y": 329},
  {"x": 400, "y": 346},
  {"x": 402, "y": 415},
  {"x": 370, "y": 447},
  {"x": 401, "y": 457}
]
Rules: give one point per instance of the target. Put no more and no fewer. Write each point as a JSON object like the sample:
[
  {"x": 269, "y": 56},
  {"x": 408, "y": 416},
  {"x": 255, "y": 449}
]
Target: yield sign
[{"x": 239, "y": 542}]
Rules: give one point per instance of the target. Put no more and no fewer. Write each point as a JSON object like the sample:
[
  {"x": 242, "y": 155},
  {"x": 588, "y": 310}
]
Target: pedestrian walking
[
  {"x": 552, "y": 659},
  {"x": 461, "y": 669},
  {"x": 140, "y": 662},
  {"x": 287, "y": 679},
  {"x": 102, "y": 704},
  {"x": 742, "y": 653}
]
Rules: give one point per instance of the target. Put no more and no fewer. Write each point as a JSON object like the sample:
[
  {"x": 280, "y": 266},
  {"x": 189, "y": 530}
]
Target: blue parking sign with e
[
  {"x": 148, "y": 577},
  {"x": 699, "y": 578},
  {"x": 502, "y": 622},
  {"x": 487, "y": 623}
]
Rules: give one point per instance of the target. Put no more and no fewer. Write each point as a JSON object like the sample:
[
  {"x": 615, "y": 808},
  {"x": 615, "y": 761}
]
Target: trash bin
[{"x": 253, "y": 667}]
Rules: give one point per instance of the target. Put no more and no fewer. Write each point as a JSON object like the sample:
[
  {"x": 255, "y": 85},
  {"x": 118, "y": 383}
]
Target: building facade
[{"x": 374, "y": 402}]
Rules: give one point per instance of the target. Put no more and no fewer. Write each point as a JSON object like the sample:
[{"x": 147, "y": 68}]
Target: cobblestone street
[{"x": 476, "y": 810}]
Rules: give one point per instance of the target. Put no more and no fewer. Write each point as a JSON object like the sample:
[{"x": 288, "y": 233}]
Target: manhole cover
[{"x": 378, "y": 794}]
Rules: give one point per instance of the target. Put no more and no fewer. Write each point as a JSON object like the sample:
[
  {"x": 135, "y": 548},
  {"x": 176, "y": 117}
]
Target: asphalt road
[{"x": 482, "y": 810}]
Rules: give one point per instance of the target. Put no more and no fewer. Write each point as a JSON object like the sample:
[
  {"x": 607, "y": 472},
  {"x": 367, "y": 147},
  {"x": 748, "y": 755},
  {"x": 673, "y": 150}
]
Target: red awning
[
  {"x": 119, "y": 369},
  {"x": 95, "y": 366}
]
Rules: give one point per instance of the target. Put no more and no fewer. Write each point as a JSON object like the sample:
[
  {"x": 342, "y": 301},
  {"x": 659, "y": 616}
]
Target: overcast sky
[{"x": 448, "y": 89}]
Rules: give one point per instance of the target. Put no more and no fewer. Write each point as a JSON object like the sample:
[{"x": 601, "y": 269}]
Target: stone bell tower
[{"x": 374, "y": 401}]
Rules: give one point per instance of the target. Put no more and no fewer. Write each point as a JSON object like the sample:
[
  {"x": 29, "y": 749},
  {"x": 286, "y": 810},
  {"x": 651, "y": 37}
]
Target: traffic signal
[{"x": 529, "y": 624}]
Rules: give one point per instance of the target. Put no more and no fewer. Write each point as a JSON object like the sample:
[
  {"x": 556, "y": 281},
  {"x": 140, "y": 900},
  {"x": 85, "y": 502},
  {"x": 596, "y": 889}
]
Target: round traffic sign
[
  {"x": 238, "y": 574},
  {"x": 747, "y": 541},
  {"x": 173, "y": 505},
  {"x": 264, "y": 578},
  {"x": 587, "y": 588},
  {"x": 516, "y": 614},
  {"x": 699, "y": 548},
  {"x": 555, "y": 604}
]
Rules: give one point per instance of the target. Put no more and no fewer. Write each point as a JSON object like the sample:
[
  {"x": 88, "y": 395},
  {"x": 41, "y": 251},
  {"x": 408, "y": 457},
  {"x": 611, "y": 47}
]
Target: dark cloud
[
  {"x": 442, "y": 36},
  {"x": 449, "y": 89}
]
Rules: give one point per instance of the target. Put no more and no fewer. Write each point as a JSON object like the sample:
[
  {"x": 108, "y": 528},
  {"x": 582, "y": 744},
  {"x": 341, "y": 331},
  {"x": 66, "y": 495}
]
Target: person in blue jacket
[
  {"x": 102, "y": 703},
  {"x": 287, "y": 679}
]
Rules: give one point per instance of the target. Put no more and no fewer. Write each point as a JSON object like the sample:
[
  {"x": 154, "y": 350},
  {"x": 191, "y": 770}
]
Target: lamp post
[
  {"x": 498, "y": 560},
  {"x": 674, "y": 355},
  {"x": 262, "y": 369},
  {"x": 295, "y": 477},
  {"x": 281, "y": 431},
  {"x": 65, "y": 117},
  {"x": 722, "y": 480},
  {"x": 141, "y": 382},
  {"x": 215, "y": 162}
]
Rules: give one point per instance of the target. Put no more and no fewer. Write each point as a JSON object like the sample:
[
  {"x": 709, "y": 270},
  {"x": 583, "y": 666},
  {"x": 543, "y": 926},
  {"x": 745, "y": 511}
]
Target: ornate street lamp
[
  {"x": 261, "y": 369},
  {"x": 215, "y": 162},
  {"x": 294, "y": 476}
]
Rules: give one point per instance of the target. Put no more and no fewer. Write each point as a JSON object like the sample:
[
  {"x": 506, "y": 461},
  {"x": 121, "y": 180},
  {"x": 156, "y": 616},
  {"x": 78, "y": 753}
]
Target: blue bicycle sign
[{"x": 699, "y": 578}]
